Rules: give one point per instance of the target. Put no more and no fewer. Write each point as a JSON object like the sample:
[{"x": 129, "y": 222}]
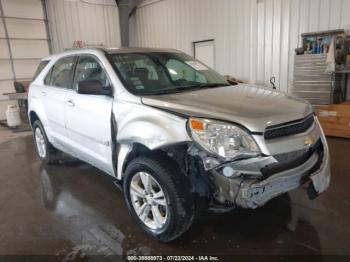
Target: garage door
[{"x": 23, "y": 42}]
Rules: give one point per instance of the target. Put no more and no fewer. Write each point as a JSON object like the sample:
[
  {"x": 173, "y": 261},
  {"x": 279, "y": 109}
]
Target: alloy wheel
[
  {"x": 40, "y": 142},
  {"x": 148, "y": 200}
]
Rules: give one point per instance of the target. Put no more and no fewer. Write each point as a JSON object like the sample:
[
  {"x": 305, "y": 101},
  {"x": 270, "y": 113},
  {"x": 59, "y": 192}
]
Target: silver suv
[{"x": 175, "y": 133}]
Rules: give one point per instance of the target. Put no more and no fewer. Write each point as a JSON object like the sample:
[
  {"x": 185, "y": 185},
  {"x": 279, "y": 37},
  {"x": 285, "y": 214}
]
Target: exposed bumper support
[
  {"x": 254, "y": 194},
  {"x": 322, "y": 178},
  {"x": 251, "y": 192}
]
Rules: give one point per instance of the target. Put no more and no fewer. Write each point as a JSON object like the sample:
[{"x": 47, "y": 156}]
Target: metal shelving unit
[{"x": 310, "y": 80}]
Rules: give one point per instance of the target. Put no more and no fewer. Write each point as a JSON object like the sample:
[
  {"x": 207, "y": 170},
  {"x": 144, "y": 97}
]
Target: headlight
[{"x": 226, "y": 140}]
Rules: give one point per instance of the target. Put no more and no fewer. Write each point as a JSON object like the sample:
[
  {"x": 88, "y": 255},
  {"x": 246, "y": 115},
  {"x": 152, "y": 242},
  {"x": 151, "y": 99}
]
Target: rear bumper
[{"x": 252, "y": 191}]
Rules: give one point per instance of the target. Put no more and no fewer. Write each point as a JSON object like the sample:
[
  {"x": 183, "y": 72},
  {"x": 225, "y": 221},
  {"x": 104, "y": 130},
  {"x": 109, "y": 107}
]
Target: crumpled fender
[{"x": 151, "y": 127}]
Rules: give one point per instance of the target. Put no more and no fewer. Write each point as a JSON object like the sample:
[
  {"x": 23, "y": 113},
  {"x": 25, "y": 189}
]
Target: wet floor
[{"x": 60, "y": 210}]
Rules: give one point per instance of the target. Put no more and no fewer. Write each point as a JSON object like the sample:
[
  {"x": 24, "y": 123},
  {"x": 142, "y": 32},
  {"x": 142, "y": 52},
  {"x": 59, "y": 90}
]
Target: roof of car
[{"x": 111, "y": 50}]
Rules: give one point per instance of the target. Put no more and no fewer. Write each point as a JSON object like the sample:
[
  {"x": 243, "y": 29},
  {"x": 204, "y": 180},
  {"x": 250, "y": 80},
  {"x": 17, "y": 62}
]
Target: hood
[{"x": 250, "y": 106}]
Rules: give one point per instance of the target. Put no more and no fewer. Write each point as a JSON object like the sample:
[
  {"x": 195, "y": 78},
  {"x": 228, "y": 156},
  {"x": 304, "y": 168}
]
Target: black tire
[
  {"x": 177, "y": 191},
  {"x": 52, "y": 155}
]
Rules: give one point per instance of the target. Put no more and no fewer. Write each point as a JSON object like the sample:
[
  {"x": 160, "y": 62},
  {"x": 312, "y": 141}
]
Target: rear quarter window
[
  {"x": 61, "y": 74},
  {"x": 48, "y": 77},
  {"x": 40, "y": 68}
]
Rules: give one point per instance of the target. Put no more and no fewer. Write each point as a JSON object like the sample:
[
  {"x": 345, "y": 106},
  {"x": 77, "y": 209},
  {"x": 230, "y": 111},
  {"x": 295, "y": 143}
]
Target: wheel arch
[
  {"x": 33, "y": 116},
  {"x": 130, "y": 151},
  {"x": 188, "y": 165}
]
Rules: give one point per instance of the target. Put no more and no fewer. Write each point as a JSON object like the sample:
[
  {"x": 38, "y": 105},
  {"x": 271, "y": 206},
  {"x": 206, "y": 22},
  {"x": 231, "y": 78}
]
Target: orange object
[
  {"x": 335, "y": 119},
  {"x": 197, "y": 125}
]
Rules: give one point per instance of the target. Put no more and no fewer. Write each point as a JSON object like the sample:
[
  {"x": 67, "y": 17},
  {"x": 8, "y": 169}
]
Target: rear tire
[
  {"x": 45, "y": 151},
  {"x": 164, "y": 208}
]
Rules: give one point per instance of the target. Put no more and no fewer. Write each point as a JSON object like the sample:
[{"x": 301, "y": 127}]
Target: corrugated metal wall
[
  {"x": 95, "y": 22},
  {"x": 23, "y": 42},
  {"x": 254, "y": 39}
]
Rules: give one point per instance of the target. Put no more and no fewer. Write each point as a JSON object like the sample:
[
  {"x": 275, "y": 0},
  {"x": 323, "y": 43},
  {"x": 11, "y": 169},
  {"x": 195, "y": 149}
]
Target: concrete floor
[
  {"x": 7, "y": 134},
  {"x": 71, "y": 208}
]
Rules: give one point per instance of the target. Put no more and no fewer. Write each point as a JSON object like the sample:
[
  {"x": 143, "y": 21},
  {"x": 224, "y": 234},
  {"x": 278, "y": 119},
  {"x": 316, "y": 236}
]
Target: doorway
[{"x": 204, "y": 51}]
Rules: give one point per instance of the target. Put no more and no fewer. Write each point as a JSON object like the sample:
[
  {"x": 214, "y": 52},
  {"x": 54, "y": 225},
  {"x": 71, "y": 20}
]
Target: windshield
[{"x": 161, "y": 73}]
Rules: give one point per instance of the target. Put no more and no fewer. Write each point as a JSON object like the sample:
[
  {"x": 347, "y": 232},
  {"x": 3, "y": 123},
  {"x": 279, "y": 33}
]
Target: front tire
[
  {"x": 158, "y": 197},
  {"x": 45, "y": 151}
]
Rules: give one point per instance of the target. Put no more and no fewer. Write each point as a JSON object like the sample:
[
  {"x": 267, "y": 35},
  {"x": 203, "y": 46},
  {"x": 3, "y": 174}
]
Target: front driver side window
[{"x": 88, "y": 68}]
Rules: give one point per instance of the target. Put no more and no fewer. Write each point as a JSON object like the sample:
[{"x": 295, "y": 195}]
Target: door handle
[
  {"x": 43, "y": 93},
  {"x": 70, "y": 103}
]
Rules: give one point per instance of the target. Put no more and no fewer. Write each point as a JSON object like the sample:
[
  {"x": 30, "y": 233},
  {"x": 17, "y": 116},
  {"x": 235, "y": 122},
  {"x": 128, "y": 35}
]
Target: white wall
[
  {"x": 254, "y": 39},
  {"x": 95, "y": 22},
  {"x": 26, "y": 27}
]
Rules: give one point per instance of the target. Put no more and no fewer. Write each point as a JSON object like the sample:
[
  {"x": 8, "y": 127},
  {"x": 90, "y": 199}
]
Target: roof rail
[{"x": 103, "y": 47}]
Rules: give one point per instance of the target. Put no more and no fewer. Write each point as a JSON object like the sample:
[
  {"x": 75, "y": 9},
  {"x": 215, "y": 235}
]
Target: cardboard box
[
  {"x": 334, "y": 119},
  {"x": 348, "y": 60}
]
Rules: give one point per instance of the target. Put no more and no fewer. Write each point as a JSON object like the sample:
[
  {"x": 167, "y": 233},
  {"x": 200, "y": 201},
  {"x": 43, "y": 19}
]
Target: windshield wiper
[
  {"x": 172, "y": 90},
  {"x": 184, "y": 88},
  {"x": 164, "y": 91},
  {"x": 209, "y": 85}
]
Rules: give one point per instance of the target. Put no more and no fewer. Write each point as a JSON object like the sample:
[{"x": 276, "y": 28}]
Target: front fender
[
  {"x": 147, "y": 126},
  {"x": 150, "y": 127}
]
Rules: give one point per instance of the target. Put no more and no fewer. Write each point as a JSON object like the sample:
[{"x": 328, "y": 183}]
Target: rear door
[
  {"x": 88, "y": 117},
  {"x": 58, "y": 84}
]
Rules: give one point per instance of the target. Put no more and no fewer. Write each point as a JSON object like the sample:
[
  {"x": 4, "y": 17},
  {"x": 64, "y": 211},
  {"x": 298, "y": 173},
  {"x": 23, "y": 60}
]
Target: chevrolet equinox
[{"x": 174, "y": 133}]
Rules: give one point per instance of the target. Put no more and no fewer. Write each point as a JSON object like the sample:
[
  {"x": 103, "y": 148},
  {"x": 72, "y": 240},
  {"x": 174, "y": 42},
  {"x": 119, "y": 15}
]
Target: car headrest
[{"x": 142, "y": 73}]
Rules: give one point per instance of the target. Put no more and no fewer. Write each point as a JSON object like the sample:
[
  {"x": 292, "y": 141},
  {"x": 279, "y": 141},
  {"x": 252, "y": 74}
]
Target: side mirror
[{"x": 93, "y": 87}]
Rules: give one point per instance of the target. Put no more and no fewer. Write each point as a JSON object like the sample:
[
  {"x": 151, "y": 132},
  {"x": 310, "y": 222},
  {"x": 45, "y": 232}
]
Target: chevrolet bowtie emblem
[{"x": 309, "y": 140}]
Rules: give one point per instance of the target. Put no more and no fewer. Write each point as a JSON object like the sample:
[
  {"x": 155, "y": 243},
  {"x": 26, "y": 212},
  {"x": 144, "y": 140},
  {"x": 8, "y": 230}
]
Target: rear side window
[
  {"x": 48, "y": 77},
  {"x": 61, "y": 74},
  {"x": 40, "y": 68}
]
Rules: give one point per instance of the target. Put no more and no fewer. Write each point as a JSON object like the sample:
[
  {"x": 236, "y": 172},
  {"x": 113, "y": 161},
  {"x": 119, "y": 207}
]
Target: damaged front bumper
[{"x": 248, "y": 186}]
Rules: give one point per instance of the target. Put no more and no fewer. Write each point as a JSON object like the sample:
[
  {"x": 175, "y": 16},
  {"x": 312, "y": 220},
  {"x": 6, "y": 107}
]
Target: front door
[{"x": 88, "y": 117}]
